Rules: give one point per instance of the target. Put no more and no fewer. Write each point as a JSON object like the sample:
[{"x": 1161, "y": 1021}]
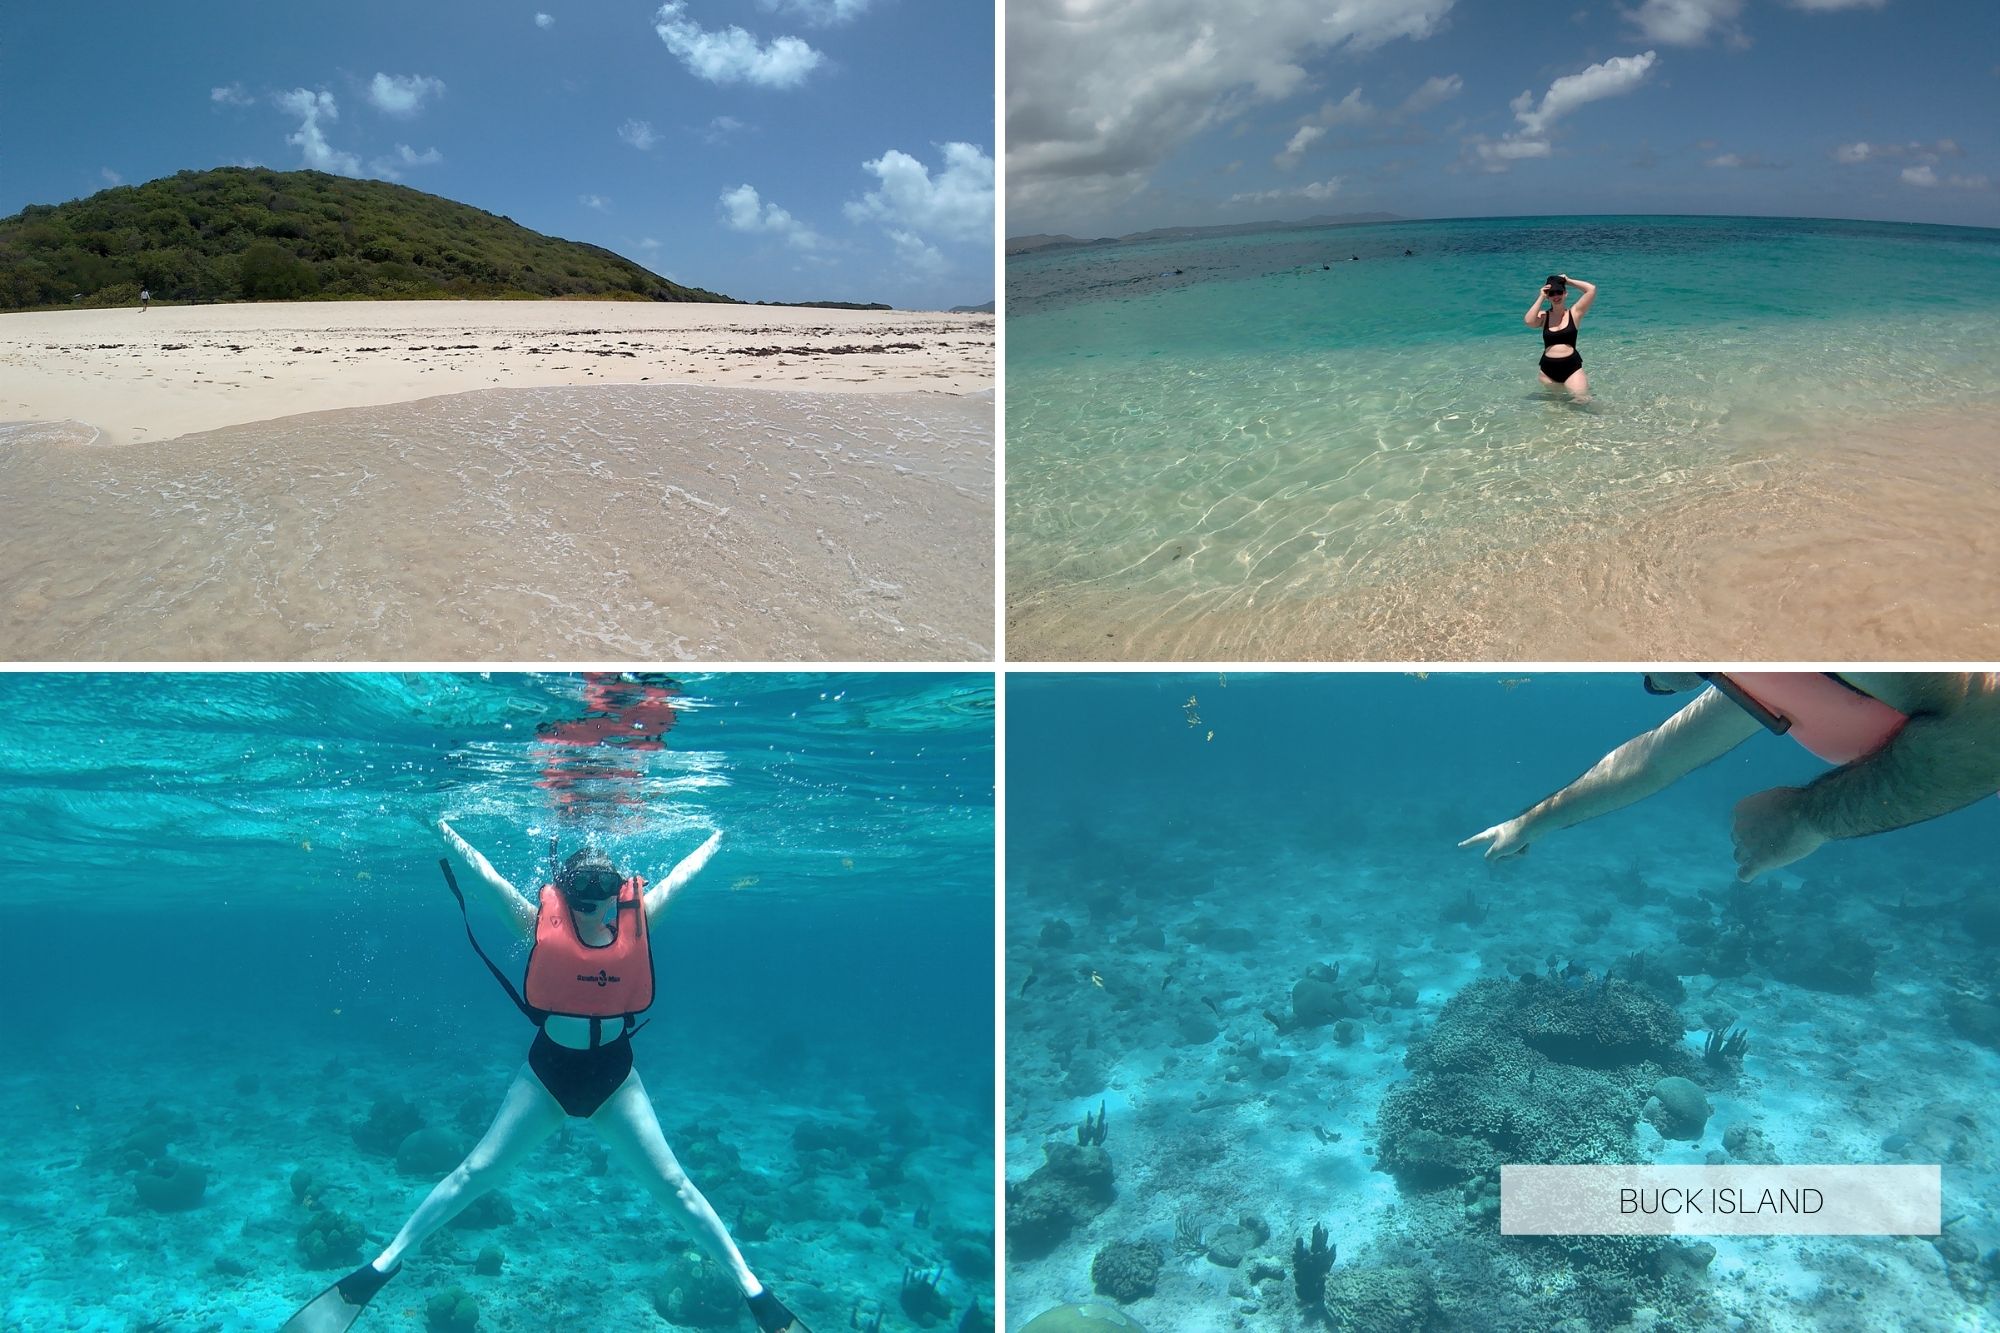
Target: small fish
[
  {"x": 1097, "y": 981},
  {"x": 1033, "y": 977},
  {"x": 847, "y": 863},
  {"x": 1212, "y": 1006},
  {"x": 305, "y": 844},
  {"x": 362, "y": 874},
  {"x": 745, "y": 882},
  {"x": 1508, "y": 683},
  {"x": 1211, "y": 735},
  {"x": 336, "y": 1013}
]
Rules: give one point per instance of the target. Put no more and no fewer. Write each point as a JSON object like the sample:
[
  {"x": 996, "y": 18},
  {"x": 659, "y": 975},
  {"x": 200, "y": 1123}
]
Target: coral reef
[
  {"x": 389, "y": 1122},
  {"x": 453, "y": 1310},
  {"x": 1390, "y": 1299},
  {"x": 330, "y": 1239},
  {"x": 430, "y": 1151},
  {"x": 1073, "y": 1185},
  {"x": 169, "y": 1185},
  {"x": 1310, "y": 1265},
  {"x": 1529, "y": 1070},
  {"x": 920, "y": 1298},
  {"x": 697, "y": 1292},
  {"x": 1677, "y": 1108},
  {"x": 1086, "y": 1317},
  {"x": 1126, "y": 1271}
]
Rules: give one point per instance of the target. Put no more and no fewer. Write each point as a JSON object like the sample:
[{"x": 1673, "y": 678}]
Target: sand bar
[{"x": 173, "y": 370}]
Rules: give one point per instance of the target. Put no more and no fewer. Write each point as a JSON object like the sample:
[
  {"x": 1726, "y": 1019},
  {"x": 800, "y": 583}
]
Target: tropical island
[{"x": 250, "y": 234}]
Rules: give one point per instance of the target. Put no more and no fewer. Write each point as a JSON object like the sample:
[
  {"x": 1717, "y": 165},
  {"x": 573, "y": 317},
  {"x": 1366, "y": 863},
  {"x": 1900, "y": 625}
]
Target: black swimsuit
[
  {"x": 1560, "y": 368},
  {"x": 581, "y": 1080}
]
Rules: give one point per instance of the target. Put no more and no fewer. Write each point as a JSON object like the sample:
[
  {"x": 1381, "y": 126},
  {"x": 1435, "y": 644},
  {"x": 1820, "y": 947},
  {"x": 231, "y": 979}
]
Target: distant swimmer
[
  {"x": 145, "y": 300},
  {"x": 1910, "y": 745},
  {"x": 1560, "y": 363},
  {"x": 1408, "y": 253}
]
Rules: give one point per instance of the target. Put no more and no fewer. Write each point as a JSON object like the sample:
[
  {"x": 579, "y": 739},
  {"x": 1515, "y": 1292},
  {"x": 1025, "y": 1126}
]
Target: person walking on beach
[
  {"x": 591, "y": 969},
  {"x": 1910, "y": 745},
  {"x": 145, "y": 299},
  {"x": 1560, "y": 362}
]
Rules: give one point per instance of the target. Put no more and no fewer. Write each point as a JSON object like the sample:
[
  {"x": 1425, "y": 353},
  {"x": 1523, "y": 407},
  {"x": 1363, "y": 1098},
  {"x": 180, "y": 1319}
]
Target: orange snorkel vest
[
  {"x": 567, "y": 976},
  {"x": 1832, "y": 719}
]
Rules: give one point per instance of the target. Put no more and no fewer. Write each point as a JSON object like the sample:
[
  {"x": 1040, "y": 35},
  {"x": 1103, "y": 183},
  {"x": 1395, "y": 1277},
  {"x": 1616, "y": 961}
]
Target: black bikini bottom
[
  {"x": 580, "y": 1081},
  {"x": 1560, "y": 368}
]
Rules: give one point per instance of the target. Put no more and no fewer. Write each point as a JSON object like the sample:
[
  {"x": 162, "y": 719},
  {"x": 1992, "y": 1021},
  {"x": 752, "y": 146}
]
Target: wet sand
[
  {"x": 627, "y": 523},
  {"x": 1866, "y": 541},
  {"x": 173, "y": 370}
]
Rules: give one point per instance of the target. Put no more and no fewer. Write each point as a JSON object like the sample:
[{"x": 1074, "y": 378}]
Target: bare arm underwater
[
  {"x": 498, "y": 891},
  {"x": 689, "y": 867}
]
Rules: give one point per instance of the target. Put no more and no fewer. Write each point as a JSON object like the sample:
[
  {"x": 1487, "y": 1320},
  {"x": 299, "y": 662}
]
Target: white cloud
[
  {"x": 743, "y": 210},
  {"x": 596, "y": 201},
  {"x": 956, "y": 204},
  {"x": 1850, "y": 154},
  {"x": 918, "y": 256},
  {"x": 1352, "y": 109},
  {"x": 403, "y": 94},
  {"x": 1431, "y": 92},
  {"x": 732, "y": 55},
  {"x": 819, "y": 13},
  {"x": 639, "y": 134},
  {"x": 1925, "y": 174},
  {"x": 545, "y": 20},
  {"x": 232, "y": 95},
  {"x": 1295, "y": 148},
  {"x": 1690, "y": 22},
  {"x": 648, "y": 243},
  {"x": 110, "y": 177},
  {"x": 1745, "y": 162},
  {"x": 1318, "y": 191},
  {"x": 1607, "y": 78},
  {"x": 1828, "y": 6},
  {"x": 1100, "y": 95},
  {"x": 310, "y": 140},
  {"x": 392, "y": 166},
  {"x": 721, "y": 128}
]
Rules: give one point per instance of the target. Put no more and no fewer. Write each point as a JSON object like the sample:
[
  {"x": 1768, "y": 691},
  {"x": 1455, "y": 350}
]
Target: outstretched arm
[
  {"x": 1946, "y": 757},
  {"x": 690, "y": 866},
  {"x": 1705, "y": 730},
  {"x": 1582, "y": 302},
  {"x": 495, "y": 887}
]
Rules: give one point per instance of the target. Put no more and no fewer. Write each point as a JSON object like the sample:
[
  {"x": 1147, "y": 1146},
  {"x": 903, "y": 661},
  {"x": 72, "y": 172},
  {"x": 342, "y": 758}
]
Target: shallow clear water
[
  {"x": 1183, "y": 849},
  {"x": 643, "y": 523},
  {"x": 231, "y": 922},
  {"x": 1257, "y": 430}
]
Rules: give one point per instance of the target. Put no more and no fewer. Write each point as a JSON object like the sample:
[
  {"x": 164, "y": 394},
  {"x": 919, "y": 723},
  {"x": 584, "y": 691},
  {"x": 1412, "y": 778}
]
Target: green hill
[{"x": 247, "y": 234}]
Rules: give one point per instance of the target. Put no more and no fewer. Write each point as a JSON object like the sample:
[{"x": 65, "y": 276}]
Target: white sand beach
[
  {"x": 496, "y": 481},
  {"x": 172, "y": 370}
]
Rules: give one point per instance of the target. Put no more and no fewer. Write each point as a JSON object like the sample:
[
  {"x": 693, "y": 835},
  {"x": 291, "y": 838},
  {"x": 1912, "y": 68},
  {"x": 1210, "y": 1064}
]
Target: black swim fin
[
  {"x": 336, "y": 1308},
  {"x": 772, "y": 1316}
]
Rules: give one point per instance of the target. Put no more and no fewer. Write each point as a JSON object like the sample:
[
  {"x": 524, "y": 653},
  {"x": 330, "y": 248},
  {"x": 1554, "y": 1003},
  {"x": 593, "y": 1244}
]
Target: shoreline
[
  {"x": 172, "y": 371},
  {"x": 1882, "y": 545}
]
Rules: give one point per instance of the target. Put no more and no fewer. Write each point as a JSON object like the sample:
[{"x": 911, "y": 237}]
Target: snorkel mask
[{"x": 587, "y": 878}]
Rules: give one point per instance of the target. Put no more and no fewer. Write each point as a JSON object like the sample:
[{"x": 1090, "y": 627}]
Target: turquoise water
[
  {"x": 229, "y": 941},
  {"x": 1184, "y": 850},
  {"x": 1276, "y": 422}
]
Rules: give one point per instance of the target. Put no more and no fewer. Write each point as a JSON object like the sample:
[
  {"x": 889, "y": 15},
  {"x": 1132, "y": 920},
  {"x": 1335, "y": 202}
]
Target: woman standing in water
[
  {"x": 591, "y": 962},
  {"x": 1560, "y": 362}
]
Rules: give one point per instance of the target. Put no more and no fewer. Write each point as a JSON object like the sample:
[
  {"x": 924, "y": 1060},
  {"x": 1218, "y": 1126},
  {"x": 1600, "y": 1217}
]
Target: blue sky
[
  {"x": 1124, "y": 116},
  {"x": 769, "y": 149}
]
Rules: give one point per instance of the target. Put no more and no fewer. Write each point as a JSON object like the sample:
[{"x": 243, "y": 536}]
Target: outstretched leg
[
  {"x": 527, "y": 1116},
  {"x": 632, "y": 1131}
]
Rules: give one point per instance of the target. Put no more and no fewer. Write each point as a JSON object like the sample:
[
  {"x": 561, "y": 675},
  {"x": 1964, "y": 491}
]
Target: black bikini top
[{"x": 1566, "y": 336}]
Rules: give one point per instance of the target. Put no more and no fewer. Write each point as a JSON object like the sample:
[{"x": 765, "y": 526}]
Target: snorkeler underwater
[
  {"x": 1286, "y": 998},
  {"x": 270, "y": 1068}
]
